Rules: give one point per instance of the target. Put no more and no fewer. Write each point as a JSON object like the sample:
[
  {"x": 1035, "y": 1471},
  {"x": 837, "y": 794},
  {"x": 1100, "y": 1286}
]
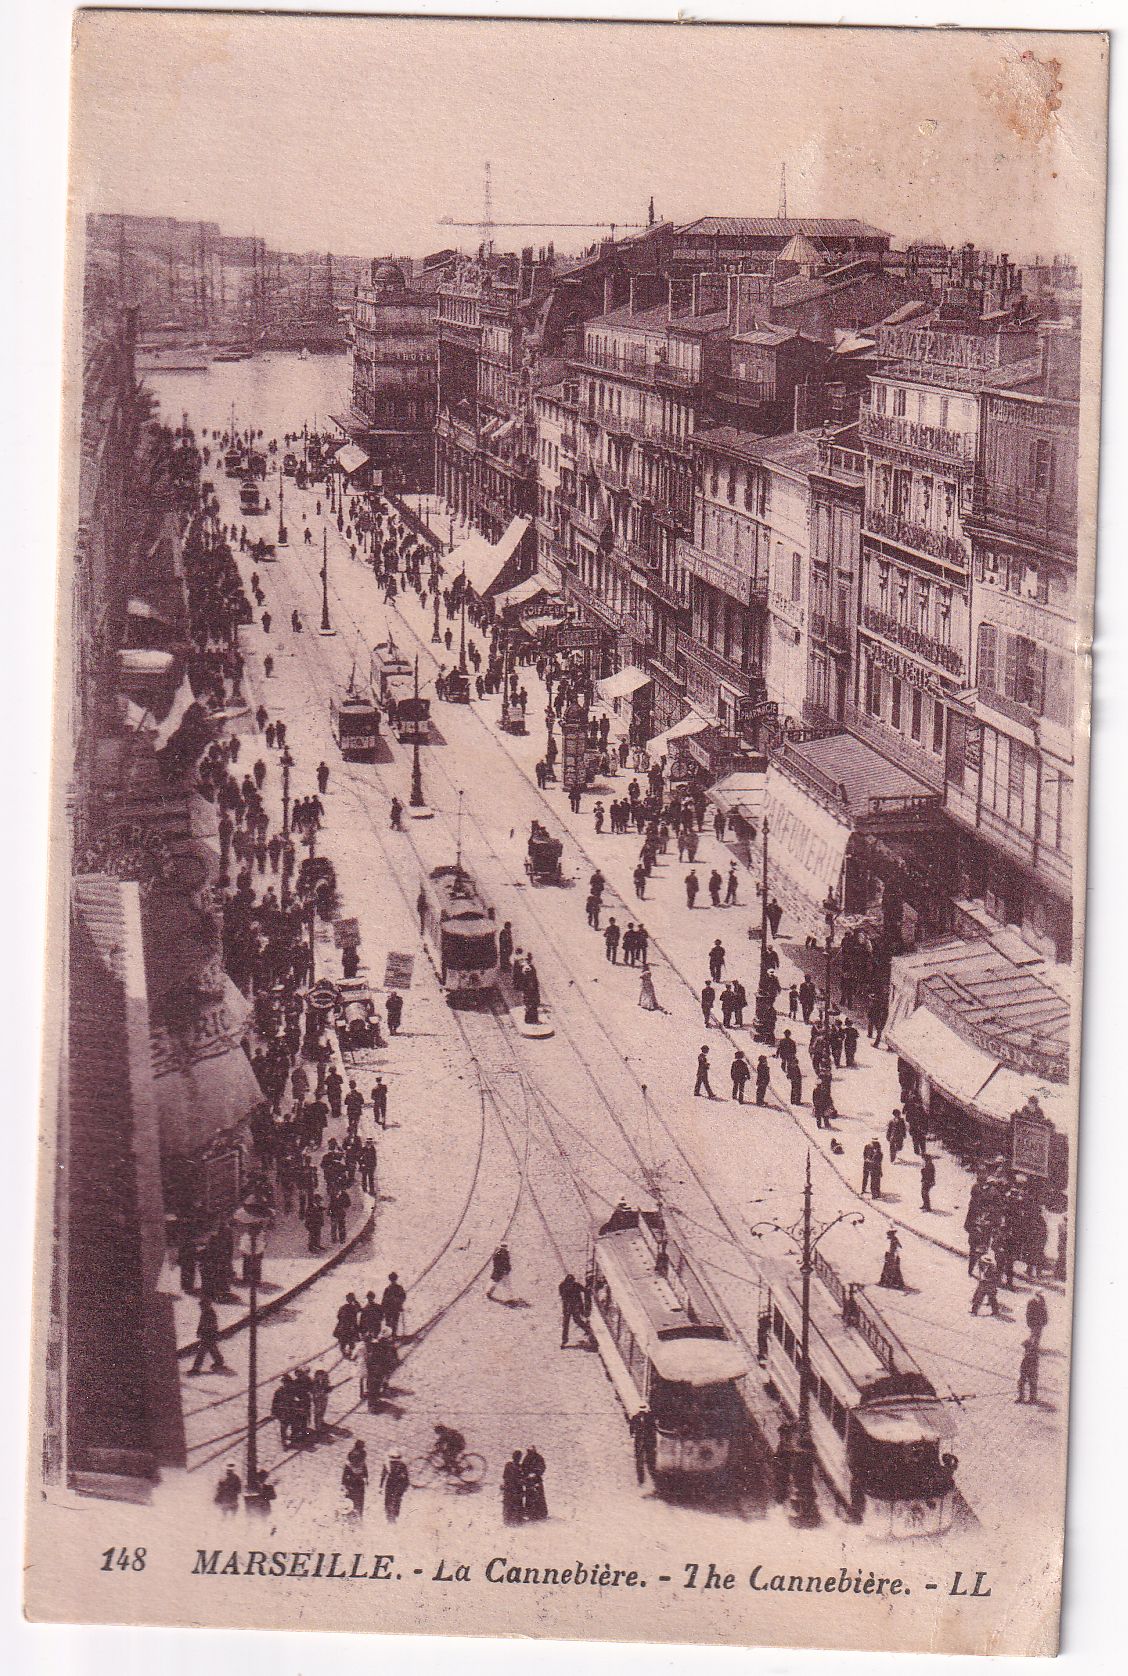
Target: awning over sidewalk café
[
  {"x": 622, "y": 684},
  {"x": 350, "y": 459},
  {"x": 807, "y": 843},
  {"x": 484, "y": 561},
  {"x": 741, "y": 793},
  {"x": 522, "y": 593},
  {"x": 685, "y": 729}
]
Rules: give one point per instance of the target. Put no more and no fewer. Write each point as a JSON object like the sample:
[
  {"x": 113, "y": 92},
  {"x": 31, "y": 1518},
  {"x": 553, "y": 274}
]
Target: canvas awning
[
  {"x": 934, "y": 1049},
  {"x": 137, "y": 661},
  {"x": 807, "y": 842},
  {"x": 142, "y": 608},
  {"x": 740, "y": 793},
  {"x": 685, "y": 729},
  {"x": 1007, "y": 1091},
  {"x": 350, "y": 458},
  {"x": 626, "y": 681},
  {"x": 522, "y": 592}
]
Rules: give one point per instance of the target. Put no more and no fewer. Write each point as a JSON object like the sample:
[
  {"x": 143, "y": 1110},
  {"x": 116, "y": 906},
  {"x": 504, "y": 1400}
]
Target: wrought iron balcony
[
  {"x": 923, "y": 645},
  {"x": 957, "y": 446},
  {"x": 920, "y": 538}
]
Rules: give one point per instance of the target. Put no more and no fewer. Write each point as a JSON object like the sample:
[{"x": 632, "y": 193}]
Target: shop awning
[
  {"x": 350, "y": 458},
  {"x": 933, "y": 1048},
  {"x": 479, "y": 560},
  {"x": 522, "y": 592},
  {"x": 742, "y": 793},
  {"x": 505, "y": 429},
  {"x": 685, "y": 729},
  {"x": 1007, "y": 1091},
  {"x": 807, "y": 842},
  {"x": 626, "y": 681}
]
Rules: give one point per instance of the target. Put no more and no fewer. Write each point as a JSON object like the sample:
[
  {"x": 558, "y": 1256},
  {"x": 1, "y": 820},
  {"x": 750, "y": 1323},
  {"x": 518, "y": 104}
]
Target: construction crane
[{"x": 487, "y": 225}]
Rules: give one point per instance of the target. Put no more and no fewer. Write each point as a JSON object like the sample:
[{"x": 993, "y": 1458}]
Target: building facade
[
  {"x": 394, "y": 379},
  {"x": 1009, "y": 764},
  {"x": 919, "y": 434}
]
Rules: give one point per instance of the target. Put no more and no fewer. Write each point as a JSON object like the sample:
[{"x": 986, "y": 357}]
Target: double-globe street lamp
[
  {"x": 803, "y": 1235},
  {"x": 763, "y": 1029}
]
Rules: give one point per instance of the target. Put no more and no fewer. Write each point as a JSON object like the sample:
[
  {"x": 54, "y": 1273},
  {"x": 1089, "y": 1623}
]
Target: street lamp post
[
  {"x": 436, "y": 637},
  {"x": 462, "y": 627},
  {"x": 287, "y": 764},
  {"x": 804, "y": 1503},
  {"x": 764, "y": 1025},
  {"x": 283, "y": 538},
  {"x": 252, "y": 1219},
  {"x": 326, "y": 625},
  {"x": 826, "y": 1060},
  {"x": 416, "y": 766}
]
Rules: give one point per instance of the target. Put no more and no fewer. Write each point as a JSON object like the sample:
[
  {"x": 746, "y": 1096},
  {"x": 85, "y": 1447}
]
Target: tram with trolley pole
[
  {"x": 355, "y": 721},
  {"x": 459, "y": 927},
  {"x": 878, "y": 1427},
  {"x": 409, "y": 711},
  {"x": 673, "y": 1362}
]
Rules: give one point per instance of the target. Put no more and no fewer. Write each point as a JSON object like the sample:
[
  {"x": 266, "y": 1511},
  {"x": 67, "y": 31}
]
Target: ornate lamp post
[
  {"x": 252, "y": 1220},
  {"x": 436, "y": 637},
  {"x": 802, "y": 1234},
  {"x": 326, "y": 625},
  {"x": 416, "y": 803},
  {"x": 830, "y": 910},
  {"x": 283, "y": 538},
  {"x": 763, "y": 1029}
]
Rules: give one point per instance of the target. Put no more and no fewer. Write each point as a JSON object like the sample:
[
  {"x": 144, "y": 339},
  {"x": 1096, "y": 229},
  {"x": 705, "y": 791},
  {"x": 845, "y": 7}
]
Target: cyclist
[{"x": 450, "y": 1445}]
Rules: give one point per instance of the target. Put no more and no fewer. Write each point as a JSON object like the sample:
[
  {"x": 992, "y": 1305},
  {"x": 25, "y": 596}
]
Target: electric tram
[
  {"x": 665, "y": 1348},
  {"x": 388, "y": 664},
  {"x": 459, "y": 927},
  {"x": 409, "y": 713},
  {"x": 355, "y": 721},
  {"x": 876, "y": 1422}
]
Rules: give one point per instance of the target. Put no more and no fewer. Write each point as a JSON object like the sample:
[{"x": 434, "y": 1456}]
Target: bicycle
[{"x": 463, "y": 1473}]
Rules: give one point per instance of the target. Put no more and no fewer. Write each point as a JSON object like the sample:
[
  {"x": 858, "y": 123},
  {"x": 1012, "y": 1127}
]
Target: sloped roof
[
  {"x": 859, "y": 769},
  {"x": 794, "y": 450},
  {"x": 782, "y": 227},
  {"x": 800, "y": 249}
]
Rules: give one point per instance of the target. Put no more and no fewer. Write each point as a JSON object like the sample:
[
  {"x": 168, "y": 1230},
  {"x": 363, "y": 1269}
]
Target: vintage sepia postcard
[{"x": 560, "y": 1107}]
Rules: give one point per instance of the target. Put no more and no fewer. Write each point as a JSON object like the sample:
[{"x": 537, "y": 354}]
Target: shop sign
[
  {"x": 221, "y": 1181},
  {"x": 577, "y": 637},
  {"x": 1030, "y": 1140}
]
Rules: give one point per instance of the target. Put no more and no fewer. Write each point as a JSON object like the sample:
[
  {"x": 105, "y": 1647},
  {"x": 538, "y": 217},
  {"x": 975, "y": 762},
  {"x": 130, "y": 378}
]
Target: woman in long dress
[
  {"x": 532, "y": 1475},
  {"x": 647, "y": 998}
]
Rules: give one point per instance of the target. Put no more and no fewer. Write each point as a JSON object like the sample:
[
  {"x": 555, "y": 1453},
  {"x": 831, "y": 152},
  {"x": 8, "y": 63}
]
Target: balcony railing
[
  {"x": 581, "y": 590},
  {"x": 590, "y": 523},
  {"x": 837, "y": 635},
  {"x": 1031, "y": 512},
  {"x": 681, "y": 378},
  {"x": 921, "y": 538},
  {"x": 639, "y": 486},
  {"x": 957, "y": 446},
  {"x": 707, "y": 657},
  {"x": 924, "y": 645},
  {"x": 746, "y": 390},
  {"x": 836, "y": 461},
  {"x": 612, "y": 476},
  {"x": 729, "y": 578}
]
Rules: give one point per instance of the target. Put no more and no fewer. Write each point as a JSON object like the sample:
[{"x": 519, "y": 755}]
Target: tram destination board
[{"x": 487, "y": 1187}]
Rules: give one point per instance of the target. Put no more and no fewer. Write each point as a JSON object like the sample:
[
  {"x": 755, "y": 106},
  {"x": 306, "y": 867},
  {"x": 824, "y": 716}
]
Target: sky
[{"x": 359, "y": 135}]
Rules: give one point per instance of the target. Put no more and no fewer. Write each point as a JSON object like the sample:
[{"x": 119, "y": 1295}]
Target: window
[
  {"x": 879, "y": 398},
  {"x": 1042, "y": 465},
  {"x": 732, "y": 485},
  {"x": 873, "y": 675},
  {"x": 796, "y": 576},
  {"x": 714, "y": 482},
  {"x": 895, "y": 703},
  {"x": 924, "y": 594},
  {"x": 898, "y": 404},
  {"x": 917, "y": 720},
  {"x": 937, "y": 727}
]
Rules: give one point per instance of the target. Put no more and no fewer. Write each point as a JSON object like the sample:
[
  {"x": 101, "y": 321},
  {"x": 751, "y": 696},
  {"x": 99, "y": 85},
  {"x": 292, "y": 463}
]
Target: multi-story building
[
  {"x": 394, "y": 375},
  {"x": 554, "y": 407},
  {"x": 1009, "y": 762},
  {"x": 836, "y": 496},
  {"x": 644, "y": 373},
  {"x": 485, "y": 463},
  {"x": 726, "y": 564},
  {"x": 753, "y": 242},
  {"x": 920, "y": 434}
]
